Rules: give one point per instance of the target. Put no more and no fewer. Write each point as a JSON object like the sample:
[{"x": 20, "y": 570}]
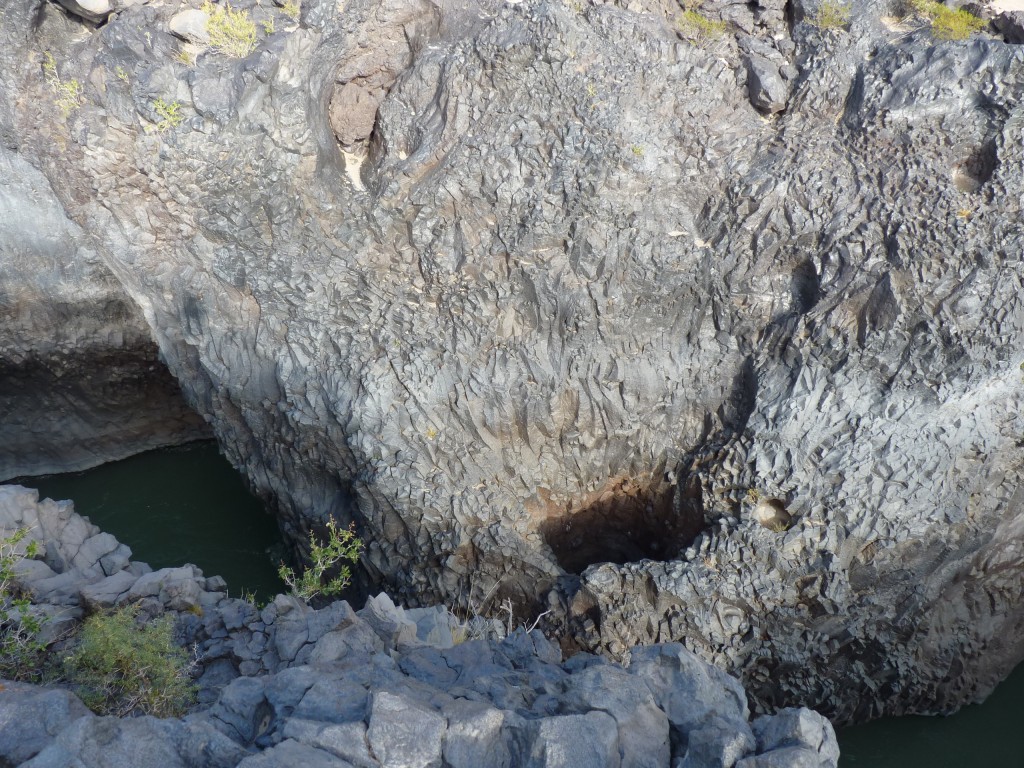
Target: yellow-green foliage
[
  {"x": 20, "y": 648},
  {"x": 231, "y": 32},
  {"x": 292, "y": 9},
  {"x": 948, "y": 23},
  {"x": 68, "y": 92},
  {"x": 699, "y": 28},
  {"x": 169, "y": 114},
  {"x": 831, "y": 15},
  {"x": 342, "y": 545},
  {"x": 120, "y": 668}
]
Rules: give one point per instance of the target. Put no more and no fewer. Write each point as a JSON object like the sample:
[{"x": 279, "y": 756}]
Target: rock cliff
[
  {"x": 291, "y": 686},
  {"x": 683, "y": 336}
]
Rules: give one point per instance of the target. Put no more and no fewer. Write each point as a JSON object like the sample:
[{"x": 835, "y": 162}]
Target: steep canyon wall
[{"x": 522, "y": 289}]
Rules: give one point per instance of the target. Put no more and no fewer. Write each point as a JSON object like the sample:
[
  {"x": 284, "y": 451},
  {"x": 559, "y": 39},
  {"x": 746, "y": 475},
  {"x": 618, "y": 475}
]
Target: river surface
[
  {"x": 179, "y": 505},
  {"x": 987, "y": 735}
]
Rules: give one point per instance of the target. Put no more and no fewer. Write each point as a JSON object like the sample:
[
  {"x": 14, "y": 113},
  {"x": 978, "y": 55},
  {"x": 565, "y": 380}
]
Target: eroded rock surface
[
  {"x": 292, "y": 686},
  {"x": 578, "y": 290}
]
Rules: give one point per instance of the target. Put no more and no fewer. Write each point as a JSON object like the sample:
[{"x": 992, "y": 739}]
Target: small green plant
[
  {"x": 268, "y": 27},
  {"x": 831, "y": 15},
  {"x": 68, "y": 92},
  {"x": 342, "y": 547},
  {"x": 20, "y": 647},
  {"x": 637, "y": 150},
  {"x": 292, "y": 9},
  {"x": 120, "y": 668},
  {"x": 169, "y": 114},
  {"x": 699, "y": 28},
  {"x": 231, "y": 32},
  {"x": 186, "y": 56},
  {"x": 948, "y": 23},
  {"x": 122, "y": 75}
]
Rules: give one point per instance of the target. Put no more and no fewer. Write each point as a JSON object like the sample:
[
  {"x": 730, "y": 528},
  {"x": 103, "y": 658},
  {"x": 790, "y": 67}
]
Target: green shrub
[
  {"x": 231, "y": 32},
  {"x": 120, "y": 668},
  {"x": 169, "y": 114},
  {"x": 342, "y": 547},
  {"x": 699, "y": 28},
  {"x": 948, "y": 23},
  {"x": 20, "y": 648},
  {"x": 292, "y": 9},
  {"x": 831, "y": 15},
  {"x": 68, "y": 92}
]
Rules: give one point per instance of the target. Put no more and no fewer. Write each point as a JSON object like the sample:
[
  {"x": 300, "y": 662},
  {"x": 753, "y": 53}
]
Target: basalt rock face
[
  {"x": 525, "y": 288},
  {"x": 81, "y": 381}
]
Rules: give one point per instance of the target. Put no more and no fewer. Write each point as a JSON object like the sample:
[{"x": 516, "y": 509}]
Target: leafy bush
[
  {"x": 169, "y": 114},
  {"x": 292, "y": 9},
  {"x": 231, "y": 32},
  {"x": 120, "y": 668},
  {"x": 831, "y": 15},
  {"x": 948, "y": 23},
  {"x": 20, "y": 647},
  {"x": 342, "y": 545},
  {"x": 68, "y": 92},
  {"x": 699, "y": 28}
]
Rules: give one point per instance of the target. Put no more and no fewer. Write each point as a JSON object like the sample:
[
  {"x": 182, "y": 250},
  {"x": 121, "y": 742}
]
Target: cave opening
[{"x": 626, "y": 522}]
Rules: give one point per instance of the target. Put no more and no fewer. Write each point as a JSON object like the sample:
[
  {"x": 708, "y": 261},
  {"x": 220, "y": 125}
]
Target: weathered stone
[
  {"x": 574, "y": 741},
  {"x": 797, "y": 728},
  {"x": 403, "y": 733},
  {"x": 191, "y": 25},
  {"x": 109, "y": 742},
  {"x": 289, "y": 754},
  {"x": 31, "y": 716},
  {"x": 765, "y": 86}
]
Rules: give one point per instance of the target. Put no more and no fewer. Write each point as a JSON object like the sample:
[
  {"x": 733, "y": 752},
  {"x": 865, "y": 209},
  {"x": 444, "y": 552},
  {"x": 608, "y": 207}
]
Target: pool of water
[
  {"x": 176, "y": 506},
  {"x": 987, "y": 734}
]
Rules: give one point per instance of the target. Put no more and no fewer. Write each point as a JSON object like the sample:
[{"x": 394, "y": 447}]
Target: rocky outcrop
[
  {"x": 290, "y": 685},
  {"x": 545, "y": 289},
  {"x": 81, "y": 380}
]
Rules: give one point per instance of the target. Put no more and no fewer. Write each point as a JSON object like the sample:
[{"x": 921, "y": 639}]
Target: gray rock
[
  {"x": 345, "y": 740},
  {"x": 289, "y": 754},
  {"x": 787, "y": 757},
  {"x": 474, "y": 738},
  {"x": 643, "y": 728},
  {"x": 797, "y": 728},
  {"x": 716, "y": 744},
  {"x": 402, "y": 733},
  {"x": 109, "y": 742},
  {"x": 767, "y": 89},
  {"x": 574, "y": 741},
  {"x": 191, "y": 25},
  {"x": 31, "y": 716},
  {"x": 91, "y": 10},
  {"x": 1011, "y": 24}
]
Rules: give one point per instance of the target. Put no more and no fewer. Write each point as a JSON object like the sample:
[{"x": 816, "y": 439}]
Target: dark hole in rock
[
  {"x": 805, "y": 288},
  {"x": 626, "y": 522},
  {"x": 977, "y": 168}
]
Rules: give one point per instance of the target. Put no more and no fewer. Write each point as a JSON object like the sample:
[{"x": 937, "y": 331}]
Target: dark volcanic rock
[
  {"x": 81, "y": 380},
  {"x": 574, "y": 300}
]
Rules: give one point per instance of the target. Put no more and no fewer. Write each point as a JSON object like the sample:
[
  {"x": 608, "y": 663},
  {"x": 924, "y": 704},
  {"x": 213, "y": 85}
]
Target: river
[{"x": 179, "y": 505}]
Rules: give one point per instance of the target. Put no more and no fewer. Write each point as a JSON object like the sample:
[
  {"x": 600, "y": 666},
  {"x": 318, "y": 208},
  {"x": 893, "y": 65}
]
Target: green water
[
  {"x": 176, "y": 506},
  {"x": 978, "y": 736}
]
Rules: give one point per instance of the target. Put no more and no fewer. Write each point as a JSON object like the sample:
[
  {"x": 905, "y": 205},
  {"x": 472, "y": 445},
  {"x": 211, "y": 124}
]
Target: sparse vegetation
[
  {"x": 699, "y": 28},
  {"x": 20, "y": 647},
  {"x": 121, "y": 668},
  {"x": 231, "y": 32},
  {"x": 122, "y": 74},
  {"x": 342, "y": 547},
  {"x": 68, "y": 92},
  {"x": 168, "y": 114},
  {"x": 292, "y": 9},
  {"x": 637, "y": 150},
  {"x": 831, "y": 15},
  {"x": 268, "y": 27},
  {"x": 948, "y": 23},
  {"x": 186, "y": 56}
]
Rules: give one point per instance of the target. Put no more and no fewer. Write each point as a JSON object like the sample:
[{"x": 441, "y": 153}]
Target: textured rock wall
[
  {"x": 585, "y": 290},
  {"x": 81, "y": 381}
]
